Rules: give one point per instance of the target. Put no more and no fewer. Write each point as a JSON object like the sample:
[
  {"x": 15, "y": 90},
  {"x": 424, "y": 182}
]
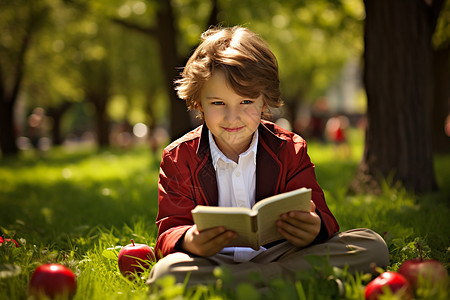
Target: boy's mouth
[{"x": 233, "y": 129}]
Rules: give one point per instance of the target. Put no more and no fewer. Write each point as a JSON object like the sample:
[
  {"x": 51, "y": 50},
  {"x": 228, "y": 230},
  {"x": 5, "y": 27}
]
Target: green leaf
[{"x": 112, "y": 253}]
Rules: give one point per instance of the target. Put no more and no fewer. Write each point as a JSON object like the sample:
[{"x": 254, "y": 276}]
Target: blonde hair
[{"x": 249, "y": 66}]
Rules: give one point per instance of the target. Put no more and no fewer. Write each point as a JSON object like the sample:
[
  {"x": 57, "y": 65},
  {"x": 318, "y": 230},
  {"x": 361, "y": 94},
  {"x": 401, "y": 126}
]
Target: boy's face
[{"x": 231, "y": 118}]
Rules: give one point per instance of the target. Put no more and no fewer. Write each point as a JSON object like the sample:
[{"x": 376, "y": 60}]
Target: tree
[
  {"x": 97, "y": 89},
  {"x": 53, "y": 79},
  {"x": 20, "y": 21},
  {"x": 441, "y": 76},
  {"x": 56, "y": 113},
  {"x": 71, "y": 63},
  {"x": 165, "y": 32},
  {"x": 397, "y": 77},
  {"x": 312, "y": 34},
  {"x": 440, "y": 101}
]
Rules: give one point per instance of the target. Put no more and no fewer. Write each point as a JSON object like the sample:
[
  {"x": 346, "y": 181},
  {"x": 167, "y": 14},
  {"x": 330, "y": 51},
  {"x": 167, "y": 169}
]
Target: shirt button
[{"x": 237, "y": 174}]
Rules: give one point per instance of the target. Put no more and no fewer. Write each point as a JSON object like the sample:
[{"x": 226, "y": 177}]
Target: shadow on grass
[
  {"x": 335, "y": 175},
  {"x": 48, "y": 213},
  {"x": 400, "y": 214}
]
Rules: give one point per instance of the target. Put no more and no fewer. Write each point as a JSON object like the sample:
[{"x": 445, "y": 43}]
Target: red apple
[
  {"x": 8, "y": 241},
  {"x": 424, "y": 273},
  {"x": 133, "y": 258},
  {"x": 388, "y": 280},
  {"x": 52, "y": 281}
]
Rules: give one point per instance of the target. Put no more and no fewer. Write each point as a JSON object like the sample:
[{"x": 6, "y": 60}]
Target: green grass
[{"x": 75, "y": 207}]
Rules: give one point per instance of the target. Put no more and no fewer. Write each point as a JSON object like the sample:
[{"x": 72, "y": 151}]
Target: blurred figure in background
[
  {"x": 36, "y": 131},
  {"x": 36, "y": 126},
  {"x": 336, "y": 130}
]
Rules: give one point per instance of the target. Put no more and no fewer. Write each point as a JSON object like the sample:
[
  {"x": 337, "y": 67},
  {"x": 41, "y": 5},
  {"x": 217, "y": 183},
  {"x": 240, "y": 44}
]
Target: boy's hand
[
  {"x": 208, "y": 242},
  {"x": 299, "y": 227}
]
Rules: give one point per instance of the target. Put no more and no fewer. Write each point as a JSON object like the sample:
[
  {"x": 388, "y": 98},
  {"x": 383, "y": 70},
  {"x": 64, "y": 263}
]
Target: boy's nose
[{"x": 232, "y": 114}]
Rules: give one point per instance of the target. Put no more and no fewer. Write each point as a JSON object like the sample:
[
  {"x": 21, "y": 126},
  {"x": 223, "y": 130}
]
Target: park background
[{"x": 87, "y": 103}]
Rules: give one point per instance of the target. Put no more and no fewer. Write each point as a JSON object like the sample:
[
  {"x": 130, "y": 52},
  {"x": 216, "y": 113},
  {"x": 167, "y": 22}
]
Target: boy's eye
[
  {"x": 217, "y": 103},
  {"x": 247, "y": 102}
]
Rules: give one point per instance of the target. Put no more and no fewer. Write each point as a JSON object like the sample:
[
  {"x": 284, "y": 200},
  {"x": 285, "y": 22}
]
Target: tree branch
[
  {"x": 213, "y": 15},
  {"x": 20, "y": 68},
  {"x": 136, "y": 27},
  {"x": 2, "y": 85},
  {"x": 435, "y": 9}
]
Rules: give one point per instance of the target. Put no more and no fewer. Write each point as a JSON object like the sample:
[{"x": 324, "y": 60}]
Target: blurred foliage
[
  {"x": 441, "y": 37},
  {"x": 311, "y": 39}
]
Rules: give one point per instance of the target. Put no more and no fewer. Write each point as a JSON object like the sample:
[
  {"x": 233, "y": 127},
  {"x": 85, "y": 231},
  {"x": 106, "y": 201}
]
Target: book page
[
  {"x": 236, "y": 219},
  {"x": 269, "y": 212}
]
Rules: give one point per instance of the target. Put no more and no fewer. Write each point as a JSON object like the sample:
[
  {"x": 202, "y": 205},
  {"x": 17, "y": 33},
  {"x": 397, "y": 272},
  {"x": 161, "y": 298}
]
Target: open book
[{"x": 256, "y": 226}]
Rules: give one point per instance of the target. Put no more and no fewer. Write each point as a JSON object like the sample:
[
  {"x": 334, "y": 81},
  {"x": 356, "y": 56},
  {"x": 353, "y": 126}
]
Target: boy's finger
[
  {"x": 221, "y": 240},
  {"x": 295, "y": 217},
  {"x": 208, "y": 234},
  {"x": 292, "y": 227},
  {"x": 219, "y": 233},
  {"x": 313, "y": 206}
]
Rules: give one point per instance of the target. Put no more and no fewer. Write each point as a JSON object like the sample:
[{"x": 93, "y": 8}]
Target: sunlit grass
[{"x": 71, "y": 207}]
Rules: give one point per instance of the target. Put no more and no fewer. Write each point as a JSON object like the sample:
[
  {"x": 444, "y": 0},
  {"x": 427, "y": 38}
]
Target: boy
[{"x": 235, "y": 159}]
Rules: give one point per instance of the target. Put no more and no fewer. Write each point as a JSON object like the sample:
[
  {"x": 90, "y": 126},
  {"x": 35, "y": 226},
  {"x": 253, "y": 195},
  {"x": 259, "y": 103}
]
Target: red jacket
[{"x": 187, "y": 178}]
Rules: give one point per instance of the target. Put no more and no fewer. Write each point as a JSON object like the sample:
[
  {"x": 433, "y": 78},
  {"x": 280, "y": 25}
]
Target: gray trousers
[{"x": 356, "y": 249}]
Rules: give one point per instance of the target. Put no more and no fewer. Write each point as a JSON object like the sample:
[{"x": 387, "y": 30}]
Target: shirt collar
[{"x": 216, "y": 154}]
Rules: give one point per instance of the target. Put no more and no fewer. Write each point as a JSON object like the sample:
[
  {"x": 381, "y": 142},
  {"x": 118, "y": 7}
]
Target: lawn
[{"x": 78, "y": 207}]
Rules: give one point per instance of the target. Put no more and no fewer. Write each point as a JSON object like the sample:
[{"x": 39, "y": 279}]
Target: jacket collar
[
  {"x": 203, "y": 145},
  {"x": 268, "y": 166}
]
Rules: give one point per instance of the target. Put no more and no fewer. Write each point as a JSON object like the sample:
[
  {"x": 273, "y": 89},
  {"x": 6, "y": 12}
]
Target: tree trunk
[
  {"x": 56, "y": 114},
  {"x": 8, "y": 144},
  {"x": 102, "y": 122},
  {"x": 99, "y": 99},
  {"x": 97, "y": 90},
  {"x": 398, "y": 83},
  {"x": 166, "y": 35},
  {"x": 441, "y": 96},
  {"x": 9, "y": 94}
]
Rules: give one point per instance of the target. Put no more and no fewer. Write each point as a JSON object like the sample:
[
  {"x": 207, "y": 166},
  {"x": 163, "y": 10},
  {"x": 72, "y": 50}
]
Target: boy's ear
[{"x": 264, "y": 108}]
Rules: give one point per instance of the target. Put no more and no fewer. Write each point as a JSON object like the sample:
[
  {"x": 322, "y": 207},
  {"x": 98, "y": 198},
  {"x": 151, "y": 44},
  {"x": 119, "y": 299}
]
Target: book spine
[{"x": 254, "y": 224}]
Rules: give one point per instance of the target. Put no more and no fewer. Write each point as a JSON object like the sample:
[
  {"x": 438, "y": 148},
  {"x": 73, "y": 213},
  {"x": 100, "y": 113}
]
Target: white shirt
[{"x": 236, "y": 183}]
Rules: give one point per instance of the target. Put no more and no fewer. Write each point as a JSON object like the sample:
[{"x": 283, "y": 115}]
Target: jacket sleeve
[
  {"x": 175, "y": 201},
  {"x": 301, "y": 173}
]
